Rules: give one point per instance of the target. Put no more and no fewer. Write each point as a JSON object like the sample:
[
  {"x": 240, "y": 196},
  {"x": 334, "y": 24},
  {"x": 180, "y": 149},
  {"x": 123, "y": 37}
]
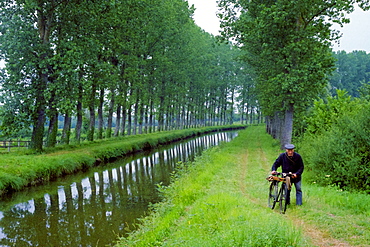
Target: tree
[
  {"x": 38, "y": 38},
  {"x": 143, "y": 63},
  {"x": 352, "y": 70},
  {"x": 288, "y": 45},
  {"x": 27, "y": 38}
]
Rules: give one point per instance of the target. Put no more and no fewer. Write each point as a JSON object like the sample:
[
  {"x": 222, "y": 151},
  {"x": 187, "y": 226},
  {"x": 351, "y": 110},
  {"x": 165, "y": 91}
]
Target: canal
[{"x": 94, "y": 208}]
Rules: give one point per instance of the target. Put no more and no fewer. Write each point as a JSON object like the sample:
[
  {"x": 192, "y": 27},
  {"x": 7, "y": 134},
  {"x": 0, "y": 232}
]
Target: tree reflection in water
[{"x": 95, "y": 207}]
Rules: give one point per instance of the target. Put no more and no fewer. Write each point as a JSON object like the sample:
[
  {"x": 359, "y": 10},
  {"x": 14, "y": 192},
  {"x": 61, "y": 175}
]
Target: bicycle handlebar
[
  {"x": 283, "y": 174},
  {"x": 279, "y": 176}
]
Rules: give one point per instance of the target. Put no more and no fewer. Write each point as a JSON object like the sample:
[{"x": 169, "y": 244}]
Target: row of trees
[
  {"x": 118, "y": 67},
  {"x": 287, "y": 44},
  {"x": 139, "y": 65}
]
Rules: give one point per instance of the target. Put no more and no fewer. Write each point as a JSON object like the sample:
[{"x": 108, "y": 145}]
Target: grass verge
[
  {"x": 221, "y": 200},
  {"x": 18, "y": 170}
]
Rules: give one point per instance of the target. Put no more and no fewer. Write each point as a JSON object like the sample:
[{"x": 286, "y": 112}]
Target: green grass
[
  {"x": 21, "y": 169},
  {"x": 221, "y": 200}
]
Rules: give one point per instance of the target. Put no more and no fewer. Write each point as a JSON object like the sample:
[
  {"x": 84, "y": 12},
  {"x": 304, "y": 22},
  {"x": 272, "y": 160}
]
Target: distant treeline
[{"x": 352, "y": 72}]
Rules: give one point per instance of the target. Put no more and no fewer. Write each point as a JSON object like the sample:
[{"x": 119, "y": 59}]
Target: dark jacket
[{"x": 293, "y": 164}]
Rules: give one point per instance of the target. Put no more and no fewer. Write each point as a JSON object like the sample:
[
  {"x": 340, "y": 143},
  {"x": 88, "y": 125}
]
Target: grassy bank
[
  {"x": 20, "y": 169},
  {"x": 221, "y": 200}
]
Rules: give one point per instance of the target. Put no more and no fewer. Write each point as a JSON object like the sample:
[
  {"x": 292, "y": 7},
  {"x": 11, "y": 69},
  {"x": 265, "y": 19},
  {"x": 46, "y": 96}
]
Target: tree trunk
[
  {"x": 38, "y": 130},
  {"x": 277, "y": 125},
  {"x": 146, "y": 118},
  {"x": 231, "y": 120},
  {"x": 91, "y": 129},
  {"x": 178, "y": 116},
  {"x": 167, "y": 118},
  {"x": 183, "y": 117},
  {"x": 187, "y": 124},
  {"x": 136, "y": 112},
  {"x": 161, "y": 114},
  {"x": 118, "y": 121},
  {"x": 212, "y": 116},
  {"x": 288, "y": 126},
  {"x": 110, "y": 116},
  {"x": 141, "y": 117},
  {"x": 129, "y": 120},
  {"x": 100, "y": 114},
  {"x": 251, "y": 114},
  {"x": 79, "y": 114},
  {"x": 66, "y": 128},
  {"x": 124, "y": 114},
  {"x": 53, "y": 128},
  {"x": 151, "y": 117},
  {"x": 162, "y": 106}
]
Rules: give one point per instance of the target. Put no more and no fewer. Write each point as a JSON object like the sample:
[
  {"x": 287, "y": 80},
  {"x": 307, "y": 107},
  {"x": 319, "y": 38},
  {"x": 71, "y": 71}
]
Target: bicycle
[{"x": 276, "y": 194}]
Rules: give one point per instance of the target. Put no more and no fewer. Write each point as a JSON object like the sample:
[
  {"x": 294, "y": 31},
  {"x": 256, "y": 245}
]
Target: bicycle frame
[{"x": 277, "y": 194}]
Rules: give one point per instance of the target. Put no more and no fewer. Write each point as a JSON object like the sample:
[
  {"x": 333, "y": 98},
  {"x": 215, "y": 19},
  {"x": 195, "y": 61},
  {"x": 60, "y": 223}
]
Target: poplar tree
[
  {"x": 287, "y": 43},
  {"x": 27, "y": 42},
  {"x": 144, "y": 60}
]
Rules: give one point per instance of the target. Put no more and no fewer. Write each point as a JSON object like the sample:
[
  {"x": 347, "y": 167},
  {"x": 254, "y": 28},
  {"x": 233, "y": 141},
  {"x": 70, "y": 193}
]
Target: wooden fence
[{"x": 13, "y": 144}]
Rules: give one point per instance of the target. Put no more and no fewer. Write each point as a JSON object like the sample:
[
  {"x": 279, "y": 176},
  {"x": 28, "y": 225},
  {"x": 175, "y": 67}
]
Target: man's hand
[
  {"x": 273, "y": 172},
  {"x": 294, "y": 175}
]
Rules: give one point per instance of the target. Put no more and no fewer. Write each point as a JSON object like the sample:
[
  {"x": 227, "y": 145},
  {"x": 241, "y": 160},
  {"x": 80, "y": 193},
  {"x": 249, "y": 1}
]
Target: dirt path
[
  {"x": 243, "y": 172},
  {"x": 316, "y": 236},
  {"x": 242, "y": 177}
]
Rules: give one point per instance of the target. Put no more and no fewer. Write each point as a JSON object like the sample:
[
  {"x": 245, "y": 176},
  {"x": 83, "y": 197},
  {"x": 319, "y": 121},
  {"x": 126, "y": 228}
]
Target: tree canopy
[
  {"x": 111, "y": 68},
  {"x": 287, "y": 43}
]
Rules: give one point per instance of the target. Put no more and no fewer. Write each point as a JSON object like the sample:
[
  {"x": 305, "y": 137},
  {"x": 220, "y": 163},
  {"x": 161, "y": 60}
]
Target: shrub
[{"x": 340, "y": 155}]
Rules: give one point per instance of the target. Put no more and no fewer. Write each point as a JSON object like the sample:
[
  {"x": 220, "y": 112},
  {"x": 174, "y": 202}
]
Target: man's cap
[{"x": 289, "y": 146}]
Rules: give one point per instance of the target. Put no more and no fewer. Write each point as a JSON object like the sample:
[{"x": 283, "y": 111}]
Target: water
[{"x": 94, "y": 208}]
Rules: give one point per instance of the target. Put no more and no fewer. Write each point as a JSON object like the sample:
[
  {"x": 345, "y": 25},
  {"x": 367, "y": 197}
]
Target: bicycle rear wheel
[
  {"x": 283, "y": 193},
  {"x": 273, "y": 194}
]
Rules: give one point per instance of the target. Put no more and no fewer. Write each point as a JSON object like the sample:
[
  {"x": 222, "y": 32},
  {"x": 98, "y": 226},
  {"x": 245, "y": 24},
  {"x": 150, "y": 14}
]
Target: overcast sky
[{"x": 356, "y": 35}]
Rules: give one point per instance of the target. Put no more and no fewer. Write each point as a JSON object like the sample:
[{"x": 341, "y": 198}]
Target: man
[{"x": 291, "y": 161}]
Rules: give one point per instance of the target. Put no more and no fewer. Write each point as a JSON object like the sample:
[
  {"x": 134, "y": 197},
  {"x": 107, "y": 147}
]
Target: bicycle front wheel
[
  {"x": 283, "y": 193},
  {"x": 273, "y": 194}
]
